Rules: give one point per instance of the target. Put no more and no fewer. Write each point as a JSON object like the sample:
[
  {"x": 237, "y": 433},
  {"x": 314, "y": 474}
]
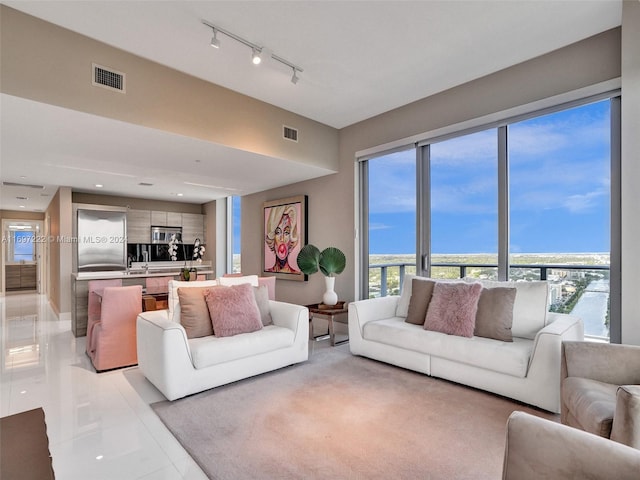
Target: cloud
[
  {"x": 585, "y": 203},
  {"x": 469, "y": 150},
  {"x": 557, "y": 161},
  {"x": 379, "y": 226}
]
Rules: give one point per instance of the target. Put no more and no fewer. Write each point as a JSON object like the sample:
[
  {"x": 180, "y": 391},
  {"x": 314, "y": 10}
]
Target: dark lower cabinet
[{"x": 20, "y": 277}]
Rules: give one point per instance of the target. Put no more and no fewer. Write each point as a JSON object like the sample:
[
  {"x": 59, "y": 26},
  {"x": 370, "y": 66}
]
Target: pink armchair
[
  {"x": 93, "y": 311},
  {"x": 113, "y": 338}
]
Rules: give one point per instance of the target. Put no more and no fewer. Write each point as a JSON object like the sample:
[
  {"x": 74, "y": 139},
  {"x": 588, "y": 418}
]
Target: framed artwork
[{"x": 284, "y": 234}]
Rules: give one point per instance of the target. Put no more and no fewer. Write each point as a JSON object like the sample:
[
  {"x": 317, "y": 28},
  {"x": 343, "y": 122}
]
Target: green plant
[{"x": 331, "y": 261}]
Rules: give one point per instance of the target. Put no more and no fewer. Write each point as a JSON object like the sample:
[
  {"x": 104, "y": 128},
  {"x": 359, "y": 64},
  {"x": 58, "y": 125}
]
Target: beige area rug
[{"x": 338, "y": 416}]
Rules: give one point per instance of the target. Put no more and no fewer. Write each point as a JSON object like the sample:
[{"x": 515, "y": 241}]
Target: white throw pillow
[
  {"x": 250, "y": 279},
  {"x": 174, "y": 300}
]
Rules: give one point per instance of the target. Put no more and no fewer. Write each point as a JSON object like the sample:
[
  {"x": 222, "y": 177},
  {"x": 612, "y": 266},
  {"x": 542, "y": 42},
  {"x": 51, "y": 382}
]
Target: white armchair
[{"x": 179, "y": 366}]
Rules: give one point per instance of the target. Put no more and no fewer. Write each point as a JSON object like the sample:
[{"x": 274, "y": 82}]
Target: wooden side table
[{"x": 330, "y": 313}]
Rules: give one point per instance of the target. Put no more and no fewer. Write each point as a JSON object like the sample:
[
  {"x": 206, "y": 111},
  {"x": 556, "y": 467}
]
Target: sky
[
  {"x": 559, "y": 174},
  {"x": 236, "y": 213},
  {"x": 23, "y": 246}
]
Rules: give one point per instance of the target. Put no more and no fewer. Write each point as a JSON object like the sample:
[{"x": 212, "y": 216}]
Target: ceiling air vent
[
  {"x": 14, "y": 184},
  {"x": 145, "y": 184},
  {"x": 108, "y": 78},
  {"x": 289, "y": 133}
]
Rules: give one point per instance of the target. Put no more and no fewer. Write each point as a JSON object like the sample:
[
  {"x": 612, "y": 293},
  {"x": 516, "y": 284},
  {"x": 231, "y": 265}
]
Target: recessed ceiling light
[
  {"x": 22, "y": 206},
  {"x": 180, "y": 194},
  {"x": 99, "y": 185}
]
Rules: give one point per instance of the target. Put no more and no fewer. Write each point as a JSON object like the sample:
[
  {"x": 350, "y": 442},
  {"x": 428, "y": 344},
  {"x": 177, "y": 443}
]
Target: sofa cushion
[
  {"x": 421, "y": 292},
  {"x": 233, "y": 310},
  {"x": 261, "y": 294},
  {"x": 510, "y": 358},
  {"x": 174, "y": 300},
  {"x": 495, "y": 313},
  {"x": 453, "y": 308},
  {"x": 207, "y": 351},
  {"x": 194, "y": 314},
  {"x": 402, "y": 309},
  {"x": 529, "y": 308},
  {"x": 239, "y": 280},
  {"x": 591, "y": 403}
]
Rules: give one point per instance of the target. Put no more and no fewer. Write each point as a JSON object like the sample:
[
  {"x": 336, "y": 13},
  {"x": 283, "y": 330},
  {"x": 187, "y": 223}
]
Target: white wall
[{"x": 630, "y": 49}]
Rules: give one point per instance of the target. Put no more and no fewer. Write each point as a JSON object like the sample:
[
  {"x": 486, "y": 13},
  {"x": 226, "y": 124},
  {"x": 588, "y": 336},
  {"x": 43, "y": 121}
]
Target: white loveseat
[
  {"x": 527, "y": 369},
  {"x": 180, "y": 366}
]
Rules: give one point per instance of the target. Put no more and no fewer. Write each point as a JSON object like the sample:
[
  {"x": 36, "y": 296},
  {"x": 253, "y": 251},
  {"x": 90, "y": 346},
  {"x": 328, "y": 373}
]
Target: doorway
[{"x": 22, "y": 256}]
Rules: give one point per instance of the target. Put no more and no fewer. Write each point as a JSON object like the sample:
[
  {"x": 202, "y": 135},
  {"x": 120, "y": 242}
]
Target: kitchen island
[{"x": 136, "y": 275}]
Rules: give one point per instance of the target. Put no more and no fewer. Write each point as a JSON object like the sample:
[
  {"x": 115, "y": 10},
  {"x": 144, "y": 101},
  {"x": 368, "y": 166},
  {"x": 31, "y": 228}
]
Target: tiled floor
[{"x": 100, "y": 426}]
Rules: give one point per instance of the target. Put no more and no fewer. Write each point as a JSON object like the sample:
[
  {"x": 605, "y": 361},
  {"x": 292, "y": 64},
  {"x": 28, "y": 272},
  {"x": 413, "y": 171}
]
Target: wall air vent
[
  {"x": 108, "y": 78},
  {"x": 289, "y": 133}
]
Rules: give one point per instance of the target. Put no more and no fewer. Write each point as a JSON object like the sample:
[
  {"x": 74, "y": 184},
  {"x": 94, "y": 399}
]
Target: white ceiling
[{"x": 360, "y": 59}]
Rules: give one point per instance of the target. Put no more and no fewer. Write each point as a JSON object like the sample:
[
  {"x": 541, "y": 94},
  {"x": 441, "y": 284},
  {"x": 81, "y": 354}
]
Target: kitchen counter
[
  {"x": 174, "y": 272},
  {"x": 134, "y": 276}
]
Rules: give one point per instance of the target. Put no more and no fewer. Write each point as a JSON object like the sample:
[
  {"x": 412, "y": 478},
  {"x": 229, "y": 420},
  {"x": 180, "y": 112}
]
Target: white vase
[{"x": 330, "y": 297}]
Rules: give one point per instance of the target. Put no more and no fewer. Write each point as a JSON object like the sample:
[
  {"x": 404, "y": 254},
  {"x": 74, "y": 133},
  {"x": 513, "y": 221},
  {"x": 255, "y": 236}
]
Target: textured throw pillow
[
  {"x": 421, "y": 291},
  {"x": 262, "y": 300},
  {"x": 453, "y": 308},
  {"x": 495, "y": 313},
  {"x": 233, "y": 310},
  {"x": 194, "y": 314}
]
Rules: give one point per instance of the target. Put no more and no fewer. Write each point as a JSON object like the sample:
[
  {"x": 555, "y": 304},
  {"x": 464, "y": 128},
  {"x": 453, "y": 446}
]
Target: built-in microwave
[{"x": 164, "y": 234}]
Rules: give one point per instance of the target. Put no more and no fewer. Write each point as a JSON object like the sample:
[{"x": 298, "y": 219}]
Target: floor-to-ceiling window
[
  {"x": 391, "y": 222},
  {"x": 560, "y": 208},
  {"x": 236, "y": 230},
  {"x": 526, "y": 198},
  {"x": 464, "y": 206}
]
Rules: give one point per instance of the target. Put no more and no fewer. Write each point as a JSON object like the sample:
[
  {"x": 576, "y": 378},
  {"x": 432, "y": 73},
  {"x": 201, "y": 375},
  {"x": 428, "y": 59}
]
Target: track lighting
[
  {"x": 255, "y": 57},
  {"x": 256, "y": 50},
  {"x": 215, "y": 43}
]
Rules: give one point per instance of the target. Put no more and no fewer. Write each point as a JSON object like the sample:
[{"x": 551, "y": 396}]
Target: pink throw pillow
[
  {"x": 453, "y": 308},
  {"x": 233, "y": 310}
]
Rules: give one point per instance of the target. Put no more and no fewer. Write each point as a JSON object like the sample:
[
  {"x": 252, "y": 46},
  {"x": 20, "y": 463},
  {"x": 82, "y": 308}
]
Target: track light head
[
  {"x": 258, "y": 52},
  {"x": 215, "y": 43},
  {"x": 255, "y": 57}
]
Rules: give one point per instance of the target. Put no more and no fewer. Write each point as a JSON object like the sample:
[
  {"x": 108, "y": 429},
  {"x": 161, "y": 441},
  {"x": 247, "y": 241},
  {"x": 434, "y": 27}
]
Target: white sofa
[
  {"x": 179, "y": 366},
  {"x": 527, "y": 369}
]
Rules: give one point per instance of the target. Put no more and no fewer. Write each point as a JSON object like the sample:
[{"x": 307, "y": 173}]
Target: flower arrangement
[
  {"x": 173, "y": 247},
  {"x": 198, "y": 251}
]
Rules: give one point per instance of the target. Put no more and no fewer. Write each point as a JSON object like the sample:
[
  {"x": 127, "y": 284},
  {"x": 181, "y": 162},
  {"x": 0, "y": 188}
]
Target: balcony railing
[
  {"x": 543, "y": 270},
  {"x": 565, "y": 295}
]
